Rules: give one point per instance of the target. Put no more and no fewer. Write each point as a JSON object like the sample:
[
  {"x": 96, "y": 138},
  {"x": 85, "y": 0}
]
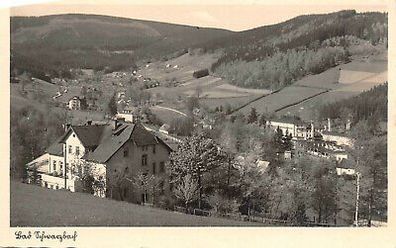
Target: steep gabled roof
[
  {"x": 141, "y": 136},
  {"x": 111, "y": 144},
  {"x": 126, "y": 132},
  {"x": 347, "y": 164},
  {"x": 89, "y": 135},
  {"x": 56, "y": 148}
]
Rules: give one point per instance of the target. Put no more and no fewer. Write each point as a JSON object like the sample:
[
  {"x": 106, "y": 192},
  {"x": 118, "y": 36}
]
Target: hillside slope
[
  {"x": 60, "y": 42},
  {"x": 275, "y": 56},
  {"x": 36, "y": 206}
]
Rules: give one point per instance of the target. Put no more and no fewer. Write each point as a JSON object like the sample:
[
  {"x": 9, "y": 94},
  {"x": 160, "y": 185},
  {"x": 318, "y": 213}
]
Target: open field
[
  {"x": 342, "y": 81},
  {"x": 359, "y": 84},
  {"x": 234, "y": 102},
  {"x": 281, "y": 99},
  {"x": 327, "y": 79},
  {"x": 356, "y": 70},
  {"x": 306, "y": 110},
  {"x": 181, "y": 68},
  {"x": 166, "y": 115},
  {"x": 350, "y": 77},
  {"x": 36, "y": 206},
  {"x": 213, "y": 91}
]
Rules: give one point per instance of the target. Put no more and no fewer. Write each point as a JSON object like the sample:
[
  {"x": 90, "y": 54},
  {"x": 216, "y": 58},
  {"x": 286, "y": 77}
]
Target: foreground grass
[{"x": 35, "y": 206}]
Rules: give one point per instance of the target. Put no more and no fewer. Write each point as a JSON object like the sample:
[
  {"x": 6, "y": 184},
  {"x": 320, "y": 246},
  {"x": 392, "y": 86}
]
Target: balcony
[{"x": 57, "y": 182}]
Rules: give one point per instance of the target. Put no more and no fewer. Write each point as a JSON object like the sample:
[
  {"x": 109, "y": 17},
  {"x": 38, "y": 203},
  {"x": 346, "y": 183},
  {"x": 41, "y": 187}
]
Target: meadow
[{"x": 33, "y": 206}]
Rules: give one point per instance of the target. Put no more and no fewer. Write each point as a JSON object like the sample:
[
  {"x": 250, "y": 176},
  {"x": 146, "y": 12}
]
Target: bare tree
[
  {"x": 187, "y": 189},
  {"x": 147, "y": 184}
]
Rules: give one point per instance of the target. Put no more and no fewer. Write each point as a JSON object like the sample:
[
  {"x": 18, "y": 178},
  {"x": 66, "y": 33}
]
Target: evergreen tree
[
  {"x": 252, "y": 117},
  {"x": 112, "y": 105}
]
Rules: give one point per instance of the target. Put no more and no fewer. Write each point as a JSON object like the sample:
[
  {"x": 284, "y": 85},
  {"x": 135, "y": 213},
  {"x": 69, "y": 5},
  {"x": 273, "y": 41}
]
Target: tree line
[{"x": 370, "y": 105}]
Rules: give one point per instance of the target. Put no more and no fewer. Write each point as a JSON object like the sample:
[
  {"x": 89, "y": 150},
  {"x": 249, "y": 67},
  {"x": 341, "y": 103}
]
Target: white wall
[
  {"x": 127, "y": 117},
  {"x": 71, "y": 158},
  {"x": 56, "y": 182},
  {"x": 58, "y": 161},
  {"x": 340, "y": 140},
  {"x": 284, "y": 126}
]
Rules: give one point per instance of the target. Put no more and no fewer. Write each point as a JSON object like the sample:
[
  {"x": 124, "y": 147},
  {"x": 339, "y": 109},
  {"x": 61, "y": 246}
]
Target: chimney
[
  {"x": 348, "y": 125},
  {"x": 114, "y": 124},
  {"x": 66, "y": 126},
  {"x": 328, "y": 125},
  {"x": 312, "y": 130}
]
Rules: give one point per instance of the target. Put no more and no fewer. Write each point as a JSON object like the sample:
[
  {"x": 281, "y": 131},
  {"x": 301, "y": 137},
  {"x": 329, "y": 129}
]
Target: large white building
[{"x": 292, "y": 126}]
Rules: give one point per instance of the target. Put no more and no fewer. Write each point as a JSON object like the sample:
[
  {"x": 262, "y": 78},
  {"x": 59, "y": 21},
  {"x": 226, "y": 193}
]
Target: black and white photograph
[{"x": 251, "y": 115}]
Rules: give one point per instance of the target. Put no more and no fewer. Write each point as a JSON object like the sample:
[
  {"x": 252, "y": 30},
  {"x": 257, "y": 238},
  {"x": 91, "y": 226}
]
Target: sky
[{"x": 234, "y": 15}]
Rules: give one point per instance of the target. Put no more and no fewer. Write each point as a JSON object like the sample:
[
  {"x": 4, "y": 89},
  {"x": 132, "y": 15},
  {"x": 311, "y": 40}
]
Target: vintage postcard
[{"x": 227, "y": 124}]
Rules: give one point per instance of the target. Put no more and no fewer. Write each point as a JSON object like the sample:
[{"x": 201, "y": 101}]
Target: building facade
[{"x": 115, "y": 154}]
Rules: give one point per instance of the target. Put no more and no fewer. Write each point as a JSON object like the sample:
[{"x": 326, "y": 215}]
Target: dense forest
[
  {"x": 52, "y": 45},
  {"x": 277, "y": 55},
  {"x": 371, "y": 104}
]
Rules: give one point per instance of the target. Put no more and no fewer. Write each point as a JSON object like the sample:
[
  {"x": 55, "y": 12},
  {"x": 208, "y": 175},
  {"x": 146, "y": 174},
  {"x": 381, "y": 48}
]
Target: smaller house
[
  {"x": 262, "y": 165},
  {"x": 346, "y": 167},
  {"x": 201, "y": 73},
  {"x": 165, "y": 128},
  {"x": 76, "y": 103},
  {"x": 128, "y": 114},
  {"x": 339, "y": 138}
]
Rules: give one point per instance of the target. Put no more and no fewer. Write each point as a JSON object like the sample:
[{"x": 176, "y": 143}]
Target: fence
[
  {"x": 194, "y": 211},
  {"x": 252, "y": 218}
]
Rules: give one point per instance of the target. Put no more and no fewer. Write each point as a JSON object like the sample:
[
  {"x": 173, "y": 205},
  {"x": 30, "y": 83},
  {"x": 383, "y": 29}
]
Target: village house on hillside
[
  {"x": 76, "y": 103},
  {"x": 117, "y": 152},
  {"x": 129, "y": 114}
]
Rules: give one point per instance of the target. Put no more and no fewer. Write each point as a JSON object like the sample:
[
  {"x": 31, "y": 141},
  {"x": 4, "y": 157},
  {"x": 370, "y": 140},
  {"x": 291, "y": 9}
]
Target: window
[
  {"x": 77, "y": 151},
  {"x": 126, "y": 152},
  {"x": 162, "y": 167},
  {"x": 70, "y": 149},
  {"x": 54, "y": 165},
  {"x": 61, "y": 165},
  {"x": 154, "y": 168},
  {"x": 153, "y": 148},
  {"x": 144, "y": 159},
  {"x": 161, "y": 188}
]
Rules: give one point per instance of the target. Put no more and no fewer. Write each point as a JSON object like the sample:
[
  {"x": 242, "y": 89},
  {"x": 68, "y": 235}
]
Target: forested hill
[
  {"x": 277, "y": 55},
  {"x": 54, "y": 44},
  {"x": 268, "y": 57},
  {"x": 371, "y": 104}
]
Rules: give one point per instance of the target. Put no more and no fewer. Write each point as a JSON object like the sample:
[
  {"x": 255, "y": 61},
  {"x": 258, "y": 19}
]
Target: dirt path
[{"x": 171, "y": 109}]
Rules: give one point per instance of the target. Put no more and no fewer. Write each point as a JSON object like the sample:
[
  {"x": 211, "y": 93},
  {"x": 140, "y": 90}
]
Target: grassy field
[
  {"x": 327, "y": 79},
  {"x": 353, "y": 78},
  {"x": 280, "y": 99},
  {"x": 165, "y": 115},
  {"x": 306, "y": 109},
  {"x": 36, "y": 206},
  {"x": 342, "y": 81}
]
